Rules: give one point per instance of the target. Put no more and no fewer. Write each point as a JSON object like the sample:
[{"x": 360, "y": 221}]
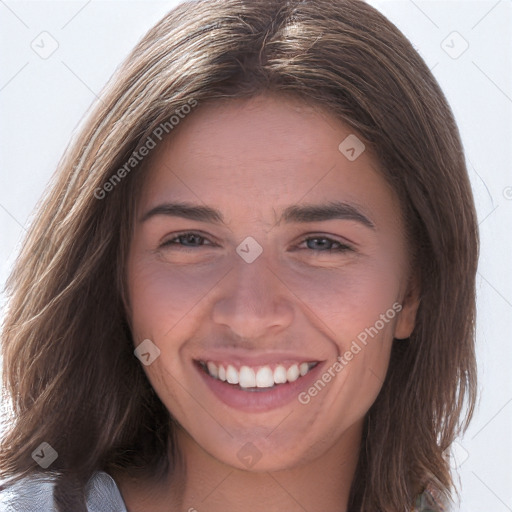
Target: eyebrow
[{"x": 294, "y": 213}]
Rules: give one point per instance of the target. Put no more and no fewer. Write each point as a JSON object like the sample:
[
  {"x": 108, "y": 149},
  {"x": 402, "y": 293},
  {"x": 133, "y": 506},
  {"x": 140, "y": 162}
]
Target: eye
[
  {"x": 192, "y": 240},
  {"x": 325, "y": 244},
  {"x": 186, "y": 239}
]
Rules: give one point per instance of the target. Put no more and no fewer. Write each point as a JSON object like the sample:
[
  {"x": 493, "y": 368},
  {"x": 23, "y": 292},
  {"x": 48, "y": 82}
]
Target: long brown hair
[{"x": 69, "y": 367}]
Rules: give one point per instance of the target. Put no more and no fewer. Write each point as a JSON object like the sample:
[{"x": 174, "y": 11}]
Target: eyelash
[{"x": 169, "y": 243}]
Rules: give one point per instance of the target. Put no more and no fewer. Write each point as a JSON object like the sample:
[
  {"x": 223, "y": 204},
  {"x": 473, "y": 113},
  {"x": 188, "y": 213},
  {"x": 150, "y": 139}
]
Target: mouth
[
  {"x": 259, "y": 378},
  {"x": 257, "y": 386}
]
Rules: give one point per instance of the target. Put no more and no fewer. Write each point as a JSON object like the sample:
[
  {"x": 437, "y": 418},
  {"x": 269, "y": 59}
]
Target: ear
[{"x": 407, "y": 316}]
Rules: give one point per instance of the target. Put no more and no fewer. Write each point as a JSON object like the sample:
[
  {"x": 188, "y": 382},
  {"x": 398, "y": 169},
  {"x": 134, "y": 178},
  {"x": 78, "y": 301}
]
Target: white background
[{"x": 42, "y": 101}]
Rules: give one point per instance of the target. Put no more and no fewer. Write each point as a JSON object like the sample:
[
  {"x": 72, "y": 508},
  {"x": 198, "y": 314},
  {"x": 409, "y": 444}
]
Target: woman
[{"x": 255, "y": 271}]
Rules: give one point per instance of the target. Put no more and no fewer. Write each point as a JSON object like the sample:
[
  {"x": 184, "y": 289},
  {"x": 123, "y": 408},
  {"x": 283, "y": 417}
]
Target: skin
[{"x": 250, "y": 159}]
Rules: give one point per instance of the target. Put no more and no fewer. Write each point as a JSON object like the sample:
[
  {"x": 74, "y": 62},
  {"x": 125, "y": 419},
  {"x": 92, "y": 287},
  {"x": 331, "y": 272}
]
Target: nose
[{"x": 254, "y": 303}]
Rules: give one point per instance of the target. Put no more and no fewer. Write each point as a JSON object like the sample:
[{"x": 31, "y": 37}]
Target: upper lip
[{"x": 252, "y": 360}]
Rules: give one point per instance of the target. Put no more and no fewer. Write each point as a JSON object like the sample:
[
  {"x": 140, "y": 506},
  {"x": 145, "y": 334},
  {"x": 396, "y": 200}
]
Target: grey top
[{"x": 33, "y": 494}]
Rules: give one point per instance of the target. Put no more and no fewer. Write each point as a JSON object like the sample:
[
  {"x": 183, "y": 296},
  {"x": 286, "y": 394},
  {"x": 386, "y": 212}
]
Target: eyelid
[
  {"x": 344, "y": 244},
  {"x": 197, "y": 232}
]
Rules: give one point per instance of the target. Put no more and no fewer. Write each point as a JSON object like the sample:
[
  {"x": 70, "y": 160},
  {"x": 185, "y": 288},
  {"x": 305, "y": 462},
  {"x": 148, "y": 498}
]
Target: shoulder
[
  {"x": 103, "y": 494},
  {"x": 35, "y": 493},
  {"x": 27, "y": 495}
]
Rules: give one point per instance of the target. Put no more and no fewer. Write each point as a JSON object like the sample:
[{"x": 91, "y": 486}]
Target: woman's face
[{"x": 274, "y": 316}]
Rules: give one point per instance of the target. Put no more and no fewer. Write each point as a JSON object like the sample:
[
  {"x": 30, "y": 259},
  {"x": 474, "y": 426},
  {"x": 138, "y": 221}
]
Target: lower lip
[{"x": 264, "y": 399}]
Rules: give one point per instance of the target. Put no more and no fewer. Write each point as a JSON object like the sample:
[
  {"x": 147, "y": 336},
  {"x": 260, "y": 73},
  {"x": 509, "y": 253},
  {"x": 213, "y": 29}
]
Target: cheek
[
  {"x": 344, "y": 302},
  {"x": 356, "y": 309},
  {"x": 165, "y": 302},
  {"x": 162, "y": 294}
]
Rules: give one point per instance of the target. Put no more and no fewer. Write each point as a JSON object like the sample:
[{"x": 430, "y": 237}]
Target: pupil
[
  {"x": 316, "y": 241},
  {"x": 191, "y": 238}
]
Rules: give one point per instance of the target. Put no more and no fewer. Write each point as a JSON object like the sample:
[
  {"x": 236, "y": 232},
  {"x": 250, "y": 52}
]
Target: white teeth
[
  {"x": 247, "y": 377},
  {"x": 280, "y": 375},
  {"x": 212, "y": 368},
  {"x": 293, "y": 373},
  {"x": 262, "y": 377},
  {"x": 232, "y": 375},
  {"x": 265, "y": 378}
]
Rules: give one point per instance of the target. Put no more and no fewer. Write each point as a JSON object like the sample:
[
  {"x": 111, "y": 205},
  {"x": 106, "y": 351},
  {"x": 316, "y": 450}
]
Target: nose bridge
[
  {"x": 252, "y": 280},
  {"x": 253, "y": 300}
]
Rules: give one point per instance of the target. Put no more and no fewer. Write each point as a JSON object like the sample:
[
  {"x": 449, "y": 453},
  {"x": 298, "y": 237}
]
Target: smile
[{"x": 254, "y": 378}]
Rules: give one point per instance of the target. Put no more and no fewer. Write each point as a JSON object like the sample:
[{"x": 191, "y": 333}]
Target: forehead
[{"x": 245, "y": 156}]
